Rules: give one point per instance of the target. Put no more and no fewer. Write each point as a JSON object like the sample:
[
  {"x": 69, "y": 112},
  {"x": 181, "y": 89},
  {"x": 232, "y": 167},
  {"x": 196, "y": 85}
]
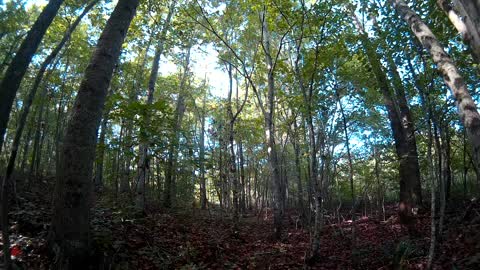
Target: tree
[
  {"x": 21, "y": 125},
  {"x": 467, "y": 108},
  {"x": 402, "y": 130},
  {"x": 465, "y": 21},
  {"x": 70, "y": 232},
  {"x": 143, "y": 160},
  {"x": 170, "y": 175},
  {"x": 17, "y": 68}
]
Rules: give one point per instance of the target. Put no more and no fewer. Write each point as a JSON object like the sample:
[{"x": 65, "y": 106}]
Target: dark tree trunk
[
  {"x": 38, "y": 127},
  {"x": 69, "y": 236},
  {"x": 17, "y": 68},
  {"x": 402, "y": 133},
  {"x": 10, "y": 52},
  {"x": 26, "y": 146},
  {"x": 28, "y": 101},
  {"x": 100, "y": 154},
  {"x": 408, "y": 159}
]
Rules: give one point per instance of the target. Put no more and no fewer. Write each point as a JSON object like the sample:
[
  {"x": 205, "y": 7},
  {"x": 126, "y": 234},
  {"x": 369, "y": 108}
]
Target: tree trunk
[
  {"x": 118, "y": 159},
  {"x": 203, "y": 186},
  {"x": 233, "y": 177},
  {"x": 101, "y": 154},
  {"x": 307, "y": 93},
  {"x": 432, "y": 176},
  {"x": 464, "y": 162},
  {"x": 464, "y": 22},
  {"x": 10, "y": 52},
  {"x": 125, "y": 172},
  {"x": 298, "y": 169},
  {"x": 379, "y": 196},
  {"x": 472, "y": 10},
  {"x": 170, "y": 175},
  {"x": 39, "y": 124},
  {"x": 26, "y": 147},
  {"x": 466, "y": 106},
  {"x": 69, "y": 236},
  {"x": 31, "y": 94},
  {"x": 447, "y": 171},
  {"x": 409, "y": 160},
  {"x": 402, "y": 133},
  {"x": 242, "y": 207},
  {"x": 350, "y": 175},
  {"x": 143, "y": 165},
  {"x": 36, "y": 143},
  {"x": 18, "y": 67},
  {"x": 270, "y": 133},
  {"x": 128, "y": 123},
  {"x": 45, "y": 126}
]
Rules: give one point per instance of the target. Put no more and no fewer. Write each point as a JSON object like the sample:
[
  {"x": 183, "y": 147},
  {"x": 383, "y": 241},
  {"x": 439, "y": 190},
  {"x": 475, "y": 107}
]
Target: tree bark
[
  {"x": 409, "y": 160},
  {"x": 466, "y": 106},
  {"x": 203, "y": 186},
  {"x": 31, "y": 94},
  {"x": 143, "y": 165},
  {"x": 170, "y": 175},
  {"x": 26, "y": 147},
  {"x": 296, "y": 148},
  {"x": 101, "y": 154},
  {"x": 18, "y": 67},
  {"x": 233, "y": 176},
  {"x": 464, "y": 22},
  {"x": 350, "y": 174},
  {"x": 128, "y": 122},
  {"x": 241, "y": 164},
  {"x": 38, "y": 126},
  {"x": 270, "y": 133},
  {"x": 402, "y": 131},
  {"x": 432, "y": 176},
  {"x": 69, "y": 236}
]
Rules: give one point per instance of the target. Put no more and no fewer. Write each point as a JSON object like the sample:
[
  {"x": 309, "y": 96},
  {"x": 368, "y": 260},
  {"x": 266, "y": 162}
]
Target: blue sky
[{"x": 203, "y": 63}]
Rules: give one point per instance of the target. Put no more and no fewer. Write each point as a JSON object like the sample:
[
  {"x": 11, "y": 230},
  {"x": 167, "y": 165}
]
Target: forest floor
[{"x": 194, "y": 239}]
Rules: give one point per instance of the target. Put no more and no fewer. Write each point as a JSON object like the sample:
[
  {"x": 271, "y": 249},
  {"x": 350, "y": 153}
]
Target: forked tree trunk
[{"x": 69, "y": 236}]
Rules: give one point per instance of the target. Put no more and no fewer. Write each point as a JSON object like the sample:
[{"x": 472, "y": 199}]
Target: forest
[{"x": 239, "y": 134}]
